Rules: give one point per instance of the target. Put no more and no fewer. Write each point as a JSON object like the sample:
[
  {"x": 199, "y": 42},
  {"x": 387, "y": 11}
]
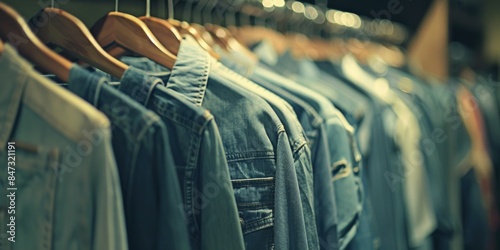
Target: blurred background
[{"x": 472, "y": 35}]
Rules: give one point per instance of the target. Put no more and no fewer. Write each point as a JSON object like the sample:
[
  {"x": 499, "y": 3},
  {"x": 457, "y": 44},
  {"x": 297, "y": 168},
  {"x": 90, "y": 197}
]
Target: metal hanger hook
[{"x": 170, "y": 9}]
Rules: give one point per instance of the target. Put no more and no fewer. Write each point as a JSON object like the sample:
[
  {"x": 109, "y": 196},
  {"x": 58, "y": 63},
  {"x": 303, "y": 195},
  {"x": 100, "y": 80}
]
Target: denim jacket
[
  {"x": 150, "y": 188},
  {"x": 353, "y": 107},
  {"x": 298, "y": 143},
  {"x": 68, "y": 191},
  {"x": 313, "y": 125},
  {"x": 260, "y": 160},
  {"x": 344, "y": 156},
  {"x": 197, "y": 151}
]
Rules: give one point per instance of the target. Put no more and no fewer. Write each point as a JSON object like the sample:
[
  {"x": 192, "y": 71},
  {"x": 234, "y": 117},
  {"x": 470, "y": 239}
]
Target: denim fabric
[
  {"x": 353, "y": 105},
  {"x": 150, "y": 188},
  {"x": 432, "y": 145},
  {"x": 258, "y": 152},
  {"x": 208, "y": 200},
  {"x": 346, "y": 184},
  {"x": 416, "y": 92},
  {"x": 68, "y": 190},
  {"x": 473, "y": 213},
  {"x": 308, "y": 74},
  {"x": 484, "y": 91},
  {"x": 298, "y": 143},
  {"x": 312, "y": 123},
  {"x": 382, "y": 167},
  {"x": 404, "y": 88},
  {"x": 454, "y": 144},
  {"x": 478, "y": 157},
  {"x": 420, "y": 217}
]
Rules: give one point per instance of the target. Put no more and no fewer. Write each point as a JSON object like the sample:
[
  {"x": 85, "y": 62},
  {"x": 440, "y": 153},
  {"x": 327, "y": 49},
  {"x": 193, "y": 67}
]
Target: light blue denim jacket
[
  {"x": 298, "y": 143},
  {"x": 344, "y": 162},
  {"x": 260, "y": 160},
  {"x": 68, "y": 191},
  {"x": 344, "y": 156},
  {"x": 314, "y": 127},
  {"x": 353, "y": 107}
]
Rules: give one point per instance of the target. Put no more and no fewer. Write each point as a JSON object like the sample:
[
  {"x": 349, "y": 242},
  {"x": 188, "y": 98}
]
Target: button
[
  {"x": 376, "y": 243},
  {"x": 242, "y": 222},
  {"x": 406, "y": 85},
  {"x": 356, "y": 169}
]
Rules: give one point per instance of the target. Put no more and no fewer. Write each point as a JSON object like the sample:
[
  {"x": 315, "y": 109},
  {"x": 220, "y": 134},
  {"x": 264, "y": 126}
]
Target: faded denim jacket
[
  {"x": 68, "y": 191},
  {"x": 313, "y": 125},
  {"x": 343, "y": 152},
  {"x": 260, "y": 160},
  {"x": 298, "y": 143}
]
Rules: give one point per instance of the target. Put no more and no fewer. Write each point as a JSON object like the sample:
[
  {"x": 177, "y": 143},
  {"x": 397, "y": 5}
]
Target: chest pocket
[{"x": 255, "y": 201}]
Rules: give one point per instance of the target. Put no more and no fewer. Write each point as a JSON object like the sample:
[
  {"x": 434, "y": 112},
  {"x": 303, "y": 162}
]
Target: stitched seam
[
  {"x": 174, "y": 117},
  {"x": 258, "y": 225},
  {"x": 241, "y": 156}
]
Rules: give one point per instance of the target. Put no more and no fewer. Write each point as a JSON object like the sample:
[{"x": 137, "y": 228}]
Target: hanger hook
[
  {"x": 52, "y": 4},
  {"x": 197, "y": 12},
  {"x": 170, "y": 9},
  {"x": 148, "y": 8},
  {"x": 116, "y": 5}
]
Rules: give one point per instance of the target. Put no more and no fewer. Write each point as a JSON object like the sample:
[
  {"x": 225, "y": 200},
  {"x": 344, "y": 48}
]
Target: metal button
[{"x": 242, "y": 222}]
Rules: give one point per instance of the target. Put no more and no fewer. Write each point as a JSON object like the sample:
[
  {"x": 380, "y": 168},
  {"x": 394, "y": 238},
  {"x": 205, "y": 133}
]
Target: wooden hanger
[
  {"x": 166, "y": 33},
  {"x": 227, "y": 38},
  {"x": 207, "y": 37},
  {"x": 69, "y": 33},
  {"x": 16, "y": 31},
  {"x": 250, "y": 35},
  {"x": 132, "y": 34},
  {"x": 219, "y": 36},
  {"x": 186, "y": 29}
]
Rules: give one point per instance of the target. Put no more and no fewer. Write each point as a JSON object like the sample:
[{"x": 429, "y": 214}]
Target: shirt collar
[
  {"x": 189, "y": 76},
  {"x": 81, "y": 82},
  {"x": 22, "y": 85},
  {"x": 191, "y": 71},
  {"x": 138, "y": 84}
]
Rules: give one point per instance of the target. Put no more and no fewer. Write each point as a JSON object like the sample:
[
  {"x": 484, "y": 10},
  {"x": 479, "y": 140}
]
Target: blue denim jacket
[
  {"x": 344, "y": 167},
  {"x": 208, "y": 201},
  {"x": 313, "y": 125},
  {"x": 293, "y": 128},
  {"x": 361, "y": 114},
  {"x": 68, "y": 191},
  {"x": 298, "y": 144},
  {"x": 454, "y": 143},
  {"x": 344, "y": 170},
  {"x": 258, "y": 152},
  {"x": 150, "y": 188},
  {"x": 388, "y": 223},
  {"x": 415, "y": 91},
  {"x": 354, "y": 106},
  {"x": 324, "y": 196}
]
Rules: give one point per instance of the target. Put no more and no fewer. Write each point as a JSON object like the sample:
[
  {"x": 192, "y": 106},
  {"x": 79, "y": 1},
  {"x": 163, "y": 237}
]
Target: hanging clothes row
[{"x": 146, "y": 133}]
